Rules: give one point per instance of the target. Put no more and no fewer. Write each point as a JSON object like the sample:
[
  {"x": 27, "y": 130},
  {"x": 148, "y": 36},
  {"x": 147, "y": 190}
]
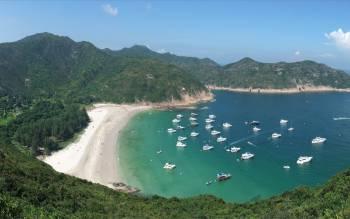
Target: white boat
[
  {"x": 181, "y": 138},
  {"x": 212, "y": 116},
  {"x": 256, "y": 129},
  {"x": 171, "y": 130},
  {"x": 194, "y": 134},
  {"x": 283, "y": 121},
  {"x": 194, "y": 114},
  {"x": 214, "y": 132},
  {"x": 276, "y": 135},
  {"x": 247, "y": 156},
  {"x": 221, "y": 139},
  {"x": 180, "y": 144},
  {"x": 194, "y": 123},
  {"x": 160, "y": 151},
  {"x": 226, "y": 125},
  {"x": 176, "y": 120},
  {"x": 179, "y": 116},
  {"x": 192, "y": 119},
  {"x": 318, "y": 140},
  {"x": 209, "y": 126},
  {"x": 207, "y": 147},
  {"x": 233, "y": 149},
  {"x": 304, "y": 159},
  {"x": 286, "y": 167},
  {"x": 209, "y": 120},
  {"x": 291, "y": 129},
  {"x": 180, "y": 127},
  {"x": 169, "y": 166}
]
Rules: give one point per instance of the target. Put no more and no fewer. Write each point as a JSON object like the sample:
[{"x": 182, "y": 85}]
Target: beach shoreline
[
  {"x": 304, "y": 89},
  {"x": 94, "y": 156}
]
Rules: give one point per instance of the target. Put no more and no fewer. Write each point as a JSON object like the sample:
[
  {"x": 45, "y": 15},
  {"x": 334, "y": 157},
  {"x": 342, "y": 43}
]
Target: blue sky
[{"x": 225, "y": 31}]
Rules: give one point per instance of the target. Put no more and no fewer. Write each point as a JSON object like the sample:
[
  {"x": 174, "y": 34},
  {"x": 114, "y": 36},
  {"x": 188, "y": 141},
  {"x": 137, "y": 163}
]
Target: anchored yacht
[
  {"x": 318, "y": 140},
  {"x": 209, "y": 126},
  {"x": 180, "y": 144},
  {"x": 214, "y": 132},
  {"x": 181, "y": 138},
  {"x": 276, "y": 135},
  {"x": 226, "y": 125},
  {"x": 221, "y": 139},
  {"x": 304, "y": 159},
  {"x": 233, "y": 149},
  {"x": 169, "y": 166},
  {"x": 171, "y": 130},
  {"x": 176, "y": 120},
  {"x": 256, "y": 129},
  {"x": 283, "y": 121},
  {"x": 247, "y": 156},
  {"x": 194, "y": 134},
  {"x": 207, "y": 147}
]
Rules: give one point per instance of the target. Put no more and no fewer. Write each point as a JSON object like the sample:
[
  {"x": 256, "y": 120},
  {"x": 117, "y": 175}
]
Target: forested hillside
[{"x": 247, "y": 72}]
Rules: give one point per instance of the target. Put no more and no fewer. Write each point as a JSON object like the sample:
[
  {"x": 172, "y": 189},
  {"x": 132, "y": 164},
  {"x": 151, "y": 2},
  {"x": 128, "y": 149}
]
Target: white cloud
[
  {"x": 109, "y": 9},
  {"x": 340, "y": 38},
  {"x": 161, "y": 51},
  {"x": 297, "y": 53}
]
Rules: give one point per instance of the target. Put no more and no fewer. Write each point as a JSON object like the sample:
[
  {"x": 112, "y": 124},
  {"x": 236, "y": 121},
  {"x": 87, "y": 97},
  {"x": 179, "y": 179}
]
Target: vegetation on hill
[
  {"x": 32, "y": 189},
  {"x": 46, "y": 65},
  {"x": 248, "y": 73}
]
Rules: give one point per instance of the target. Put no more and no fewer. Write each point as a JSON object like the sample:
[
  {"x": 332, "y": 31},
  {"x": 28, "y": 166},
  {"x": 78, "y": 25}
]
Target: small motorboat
[
  {"x": 180, "y": 144},
  {"x": 194, "y": 114},
  {"x": 160, "y": 151},
  {"x": 226, "y": 125},
  {"x": 194, "y": 134},
  {"x": 209, "y": 126},
  {"x": 176, "y": 120},
  {"x": 207, "y": 147},
  {"x": 181, "y": 138},
  {"x": 179, "y": 116},
  {"x": 214, "y": 132},
  {"x": 318, "y": 140},
  {"x": 212, "y": 116},
  {"x": 275, "y": 135},
  {"x": 303, "y": 160},
  {"x": 209, "y": 120},
  {"x": 286, "y": 167},
  {"x": 233, "y": 149},
  {"x": 180, "y": 127},
  {"x": 192, "y": 119},
  {"x": 291, "y": 129},
  {"x": 222, "y": 176},
  {"x": 247, "y": 156},
  {"x": 171, "y": 130},
  {"x": 221, "y": 139},
  {"x": 256, "y": 129},
  {"x": 283, "y": 121},
  {"x": 169, "y": 166}
]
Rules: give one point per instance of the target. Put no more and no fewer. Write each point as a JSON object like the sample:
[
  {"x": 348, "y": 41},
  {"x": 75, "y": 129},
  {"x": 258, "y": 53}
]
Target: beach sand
[{"x": 94, "y": 156}]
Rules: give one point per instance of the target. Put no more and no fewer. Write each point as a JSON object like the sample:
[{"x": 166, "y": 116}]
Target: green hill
[
  {"x": 248, "y": 72},
  {"x": 47, "y": 65}
]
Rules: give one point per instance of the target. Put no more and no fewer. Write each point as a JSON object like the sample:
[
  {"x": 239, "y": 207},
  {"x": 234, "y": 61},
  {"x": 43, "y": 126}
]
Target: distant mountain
[
  {"x": 205, "y": 70},
  {"x": 247, "y": 72},
  {"x": 49, "y": 65}
]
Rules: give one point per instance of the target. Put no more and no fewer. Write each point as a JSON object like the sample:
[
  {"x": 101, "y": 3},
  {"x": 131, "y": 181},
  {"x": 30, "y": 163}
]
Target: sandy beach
[
  {"x": 306, "y": 89},
  {"x": 94, "y": 156}
]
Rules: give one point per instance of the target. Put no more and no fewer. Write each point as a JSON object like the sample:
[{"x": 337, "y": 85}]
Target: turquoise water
[{"x": 310, "y": 114}]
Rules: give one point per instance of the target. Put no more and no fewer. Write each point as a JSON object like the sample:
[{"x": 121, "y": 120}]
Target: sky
[{"x": 225, "y": 31}]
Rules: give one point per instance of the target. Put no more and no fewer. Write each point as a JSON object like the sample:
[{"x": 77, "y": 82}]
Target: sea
[{"x": 145, "y": 146}]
